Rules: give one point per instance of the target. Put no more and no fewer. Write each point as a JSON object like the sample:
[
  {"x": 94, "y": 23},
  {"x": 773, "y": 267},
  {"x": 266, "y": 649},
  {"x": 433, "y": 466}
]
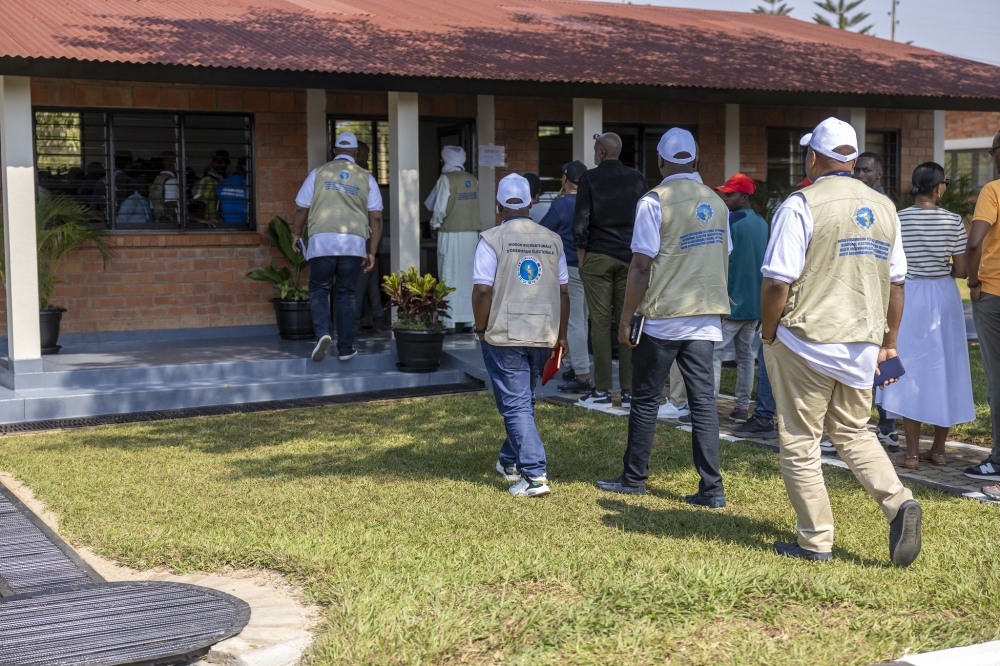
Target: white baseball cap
[
  {"x": 675, "y": 142},
  {"x": 829, "y": 134},
  {"x": 346, "y": 140},
  {"x": 513, "y": 192}
]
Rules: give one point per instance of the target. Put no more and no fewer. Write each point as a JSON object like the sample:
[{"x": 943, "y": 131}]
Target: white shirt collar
[
  {"x": 344, "y": 157},
  {"x": 687, "y": 176}
]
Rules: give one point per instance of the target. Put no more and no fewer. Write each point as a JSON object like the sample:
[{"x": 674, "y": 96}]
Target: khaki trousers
[
  {"x": 806, "y": 400},
  {"x": 678, "y": 392}
]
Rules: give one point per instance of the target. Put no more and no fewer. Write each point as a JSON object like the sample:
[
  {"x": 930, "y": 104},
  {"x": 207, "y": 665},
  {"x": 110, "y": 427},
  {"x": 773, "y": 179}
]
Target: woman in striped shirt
[{"x": 932, "y": 344}]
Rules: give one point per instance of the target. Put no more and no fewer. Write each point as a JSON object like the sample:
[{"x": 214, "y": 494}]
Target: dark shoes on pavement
[
  {"x": 739, "y": 415},
  {"x": 574, "y": 385},
  {"x": 795, "y": 550},
  {"x": 986, "y": 470},
  {"x": 711, "y": 501},
  {"x": 568, "y": 374},
  {"x": 319, "y": 351},
  {"x": 757, "y": 428},
  {"x": 904, "y": 534},
  {"x": 618, "y": 485},
  {"x": 626, "y": 399}
]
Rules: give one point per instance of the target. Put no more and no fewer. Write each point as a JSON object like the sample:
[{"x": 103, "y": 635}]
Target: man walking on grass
[
  {"x": 521, "y": 304},
  {"x": 677, "y": 281},
  {"x": 831, "y": 303}
]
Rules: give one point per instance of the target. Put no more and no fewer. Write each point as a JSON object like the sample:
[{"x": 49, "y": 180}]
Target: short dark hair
[
  {"x": 122, "y": 159},
  {"x": 534, "y": 184},
  {"x": 926, "y": 177},
  {"x": 874, "y": 156}
]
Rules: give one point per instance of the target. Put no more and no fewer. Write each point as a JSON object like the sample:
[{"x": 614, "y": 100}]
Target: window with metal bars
[
  {"x": 885, "y": 143},
  {"x": 374, "y": 133},
  {"x": 139, "y": 170}
]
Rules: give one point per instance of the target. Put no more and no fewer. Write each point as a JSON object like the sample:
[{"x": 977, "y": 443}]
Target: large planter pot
[
  {"x": 419, "y": 351},
  {"x": 49, "y": 321},
  {"x": 294, "y": 318}
]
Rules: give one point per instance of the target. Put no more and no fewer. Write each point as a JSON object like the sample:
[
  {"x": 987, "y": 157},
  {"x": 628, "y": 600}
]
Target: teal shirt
[{"x": 749, "y": 231}]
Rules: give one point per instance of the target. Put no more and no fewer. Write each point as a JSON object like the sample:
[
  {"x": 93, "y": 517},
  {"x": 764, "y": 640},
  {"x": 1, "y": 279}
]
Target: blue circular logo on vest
[
  {"x": 865, "y": 217},
  {"x": 468, "y": 184},
  {"x": 528, "y": 270},
  {"x": 704, "y": 212},
  {"x": 344, "y": 175}
]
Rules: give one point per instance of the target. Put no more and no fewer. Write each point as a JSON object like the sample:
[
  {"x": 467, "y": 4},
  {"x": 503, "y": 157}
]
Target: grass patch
[{"x": 392, "y": 517}]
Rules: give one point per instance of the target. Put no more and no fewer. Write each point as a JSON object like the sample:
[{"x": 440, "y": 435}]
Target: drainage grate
[{"x": 471, "y": 386}]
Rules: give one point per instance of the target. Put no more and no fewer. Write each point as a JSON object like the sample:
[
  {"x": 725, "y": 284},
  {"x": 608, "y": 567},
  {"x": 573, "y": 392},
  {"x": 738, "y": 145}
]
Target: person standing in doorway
[
  {"x": 677, "y": 282},
  {"x": 521, "y": 304},
  {"x": 559, "y": 219},
  {"x": 454, "y": 204},
  {"x": 368, "y": 290},
  {"x": 868, "y": 169},
  {"x": 602, "y": 228},
  {"x": 343, "y": 206},
  {"x": 983, "y": 258},
  {"x": 831, "y": 303}
]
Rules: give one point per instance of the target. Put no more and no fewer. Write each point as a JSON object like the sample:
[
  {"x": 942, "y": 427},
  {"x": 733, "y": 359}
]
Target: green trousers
[{"x": 604, "y": 279}]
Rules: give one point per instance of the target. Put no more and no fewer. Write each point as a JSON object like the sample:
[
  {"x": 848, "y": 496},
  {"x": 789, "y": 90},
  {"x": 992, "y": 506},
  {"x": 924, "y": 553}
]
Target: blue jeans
[
  {"x": 323, "y": 272},
  {"x": 515, "y": 371},
  {"x": 765, "y": 398}
]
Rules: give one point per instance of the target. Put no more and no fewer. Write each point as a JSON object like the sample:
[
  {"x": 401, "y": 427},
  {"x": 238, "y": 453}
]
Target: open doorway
[{"x": 435, "y": 134}]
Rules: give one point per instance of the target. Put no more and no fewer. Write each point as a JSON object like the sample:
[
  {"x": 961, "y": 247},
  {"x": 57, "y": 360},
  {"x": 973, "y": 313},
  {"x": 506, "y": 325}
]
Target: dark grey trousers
[{"x": 986, "y": 315}]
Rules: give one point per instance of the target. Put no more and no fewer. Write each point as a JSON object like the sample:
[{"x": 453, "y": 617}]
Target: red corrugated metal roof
[{"x": 542, "y": 41}]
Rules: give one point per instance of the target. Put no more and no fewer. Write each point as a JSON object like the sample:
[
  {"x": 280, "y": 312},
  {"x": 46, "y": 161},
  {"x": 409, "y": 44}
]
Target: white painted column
[
  {"x": 939, "y": 137},
  {"x": 732, "y": 139},
  {"x": 24, "y": 348},
  {"x": 588, "y": 120},
  {"x": 404, "y": 181},
  {"x": 856, "y": 116},
  {"x": 486, "y": 133},
  {"x": 316, "y": 139}
]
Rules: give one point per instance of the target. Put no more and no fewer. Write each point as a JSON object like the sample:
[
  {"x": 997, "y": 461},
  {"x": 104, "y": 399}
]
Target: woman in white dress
[{"x": 932, "y": 343}]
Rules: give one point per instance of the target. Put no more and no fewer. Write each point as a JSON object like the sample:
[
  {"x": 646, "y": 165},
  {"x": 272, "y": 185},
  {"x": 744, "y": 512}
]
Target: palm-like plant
[
  {"x": 286, "y": 280},
  {"x": 840, "y": 12},
  {"x": 772, "y": 7},
  {"x": 62, "y": 224}
]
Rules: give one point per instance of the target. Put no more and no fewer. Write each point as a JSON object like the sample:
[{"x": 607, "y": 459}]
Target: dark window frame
[
  {"x": 892, "y": 189},
  {"x": 375, "y": 150},
  {"x": 183, "y": 225}
]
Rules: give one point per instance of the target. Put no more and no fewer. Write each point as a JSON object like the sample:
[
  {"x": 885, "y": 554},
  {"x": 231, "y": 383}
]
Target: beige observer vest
[
  {"x": 462, "y": 213},
  {"x": 340, "y": 200},
  {"x": 689, "y": 275},
  {"x": 157, "y": 195},
  {"x": 843, "y": 292},
  {"x": 525, "y": 309}
]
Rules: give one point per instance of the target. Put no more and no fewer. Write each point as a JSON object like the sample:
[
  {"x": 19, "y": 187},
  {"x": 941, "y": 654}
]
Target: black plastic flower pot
[
  {"x": 49, "y": 322},
  {"x": 294, "y": 319},
  {"x": 419, "y": 351}
]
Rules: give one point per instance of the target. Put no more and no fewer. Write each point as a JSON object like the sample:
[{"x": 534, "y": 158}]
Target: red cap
[
  {"x": 805, "y": 182},
  {"x": 739, "y": 183}
]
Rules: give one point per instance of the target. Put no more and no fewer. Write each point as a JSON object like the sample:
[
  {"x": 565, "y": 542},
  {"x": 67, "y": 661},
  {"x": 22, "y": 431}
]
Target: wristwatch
[
  {"x": 972, "y": 286},
  {"x": 479, "y": 331},
  {"x": 766, "y": 341}
]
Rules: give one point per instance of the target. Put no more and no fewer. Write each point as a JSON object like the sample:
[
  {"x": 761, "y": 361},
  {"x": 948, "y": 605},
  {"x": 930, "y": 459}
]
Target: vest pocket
[{"x": 528, "y": 321}]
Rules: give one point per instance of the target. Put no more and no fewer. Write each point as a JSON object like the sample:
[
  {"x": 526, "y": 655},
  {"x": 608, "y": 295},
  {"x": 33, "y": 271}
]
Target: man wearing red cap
[{"x": 749, "y": 234}]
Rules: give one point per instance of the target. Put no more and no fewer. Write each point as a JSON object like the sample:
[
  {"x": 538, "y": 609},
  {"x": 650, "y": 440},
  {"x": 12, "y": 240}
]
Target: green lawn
[{"x": 392, "y": 517}]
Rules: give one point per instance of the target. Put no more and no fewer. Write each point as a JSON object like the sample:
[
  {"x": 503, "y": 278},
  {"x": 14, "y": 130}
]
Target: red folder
[{"x": 552, "y": 365}]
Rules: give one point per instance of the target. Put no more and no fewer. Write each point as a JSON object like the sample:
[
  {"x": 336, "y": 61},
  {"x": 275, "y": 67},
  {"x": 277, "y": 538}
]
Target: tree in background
[
  {"x": 773, "y": 8},
  {"x": 840, "y": 11}
]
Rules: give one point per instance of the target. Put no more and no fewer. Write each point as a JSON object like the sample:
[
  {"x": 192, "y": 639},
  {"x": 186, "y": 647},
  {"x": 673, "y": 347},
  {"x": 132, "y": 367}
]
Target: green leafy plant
[
  {"x": 62, "y": 224},
  {"x": 840, "y": 18},
  {"x": 773, "y": 8},
  {"x": 419, "y": 300},
  {"x": 287, "y": 279}
]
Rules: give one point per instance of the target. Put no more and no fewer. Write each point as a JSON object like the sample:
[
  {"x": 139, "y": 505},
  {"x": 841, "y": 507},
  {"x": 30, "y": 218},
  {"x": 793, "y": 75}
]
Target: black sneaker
[
  {"x": 986, "y": 470},
  {"x": 757, "y": 428},
  {"x": 890, "y": 440},
  {"x": 568, "y": 374},
  {"x": 904, "y": 534},
  {"x": 738, "y": 415},
  {"x": 595, "y": 400},
  {"x": 574, "y": 385},
  {"x": 619, "y": 486},
  {"x": 686, "y": 419},
  {"x": 795, "y": 550},
  {"x": 626, "y": 399},
  {"x": 711, "y": 501}
]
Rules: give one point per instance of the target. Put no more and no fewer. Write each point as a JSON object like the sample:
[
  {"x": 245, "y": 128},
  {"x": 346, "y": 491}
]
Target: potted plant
[
  {"x": 62, "y": 224},
  {"x": 419, "y": 301},
  {"x": 291, "y": 306}
]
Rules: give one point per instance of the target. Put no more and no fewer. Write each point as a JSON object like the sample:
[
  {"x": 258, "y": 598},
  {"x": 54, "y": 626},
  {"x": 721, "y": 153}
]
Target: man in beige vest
[
  {"x": 831, "y": 303},
  {"x": 521, "y": 305},
  {"x": 344, "y": 209},
  {"x": 454, "y": 203},
  {"x": 164, "y": 193},
  {"x": 677, "y": 282}
]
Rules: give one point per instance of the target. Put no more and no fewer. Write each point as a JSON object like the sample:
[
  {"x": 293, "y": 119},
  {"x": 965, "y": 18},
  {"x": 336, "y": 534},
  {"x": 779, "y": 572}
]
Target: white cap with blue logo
[
  {"x": 830, "y": 134},
  {"x": 513, "y": 192}
]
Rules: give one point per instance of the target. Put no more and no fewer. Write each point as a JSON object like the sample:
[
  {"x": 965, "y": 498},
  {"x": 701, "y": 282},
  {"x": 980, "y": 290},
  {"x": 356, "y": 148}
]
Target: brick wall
[{"x": 970, "y": 124}]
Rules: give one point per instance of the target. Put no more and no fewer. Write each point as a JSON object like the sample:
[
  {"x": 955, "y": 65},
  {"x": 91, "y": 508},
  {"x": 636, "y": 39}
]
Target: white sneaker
[
  {"x": 319, "y": 351},
  {"x": 668, "y": 411},
  {"x": 508, "y": 473},
  {"x": 827, "y": 447},
  {"x": 536, "y": 487},
  {"x": 685, "y": 410},
  {"x": 348, "y": 357},
  {"x": 595, "y": 400}
]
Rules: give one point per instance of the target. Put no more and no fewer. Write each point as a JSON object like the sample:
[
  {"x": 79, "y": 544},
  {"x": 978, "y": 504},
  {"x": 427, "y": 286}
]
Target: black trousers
[{"x": 651, "y": 361}]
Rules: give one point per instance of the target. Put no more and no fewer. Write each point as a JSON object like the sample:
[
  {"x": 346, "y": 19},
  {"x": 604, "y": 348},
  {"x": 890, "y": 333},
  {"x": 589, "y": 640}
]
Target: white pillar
[
  {"x": 939, "y": 137},
  {"x": 732, "y": 139},
  {"x": 24, "y": 348},
  {"x": 316, "y": 140},
  {"x": 856, "y": 116},
  {"x": 486, "y": 136},
  {"x": 588, "y": 120},
  {"x": 404, "y": 181}
]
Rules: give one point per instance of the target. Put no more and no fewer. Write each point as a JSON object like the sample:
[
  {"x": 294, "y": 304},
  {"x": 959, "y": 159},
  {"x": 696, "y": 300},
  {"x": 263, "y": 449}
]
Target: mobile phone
[
  {"x": 889, "y": 369},
  {"x": 635, "y": 330}
]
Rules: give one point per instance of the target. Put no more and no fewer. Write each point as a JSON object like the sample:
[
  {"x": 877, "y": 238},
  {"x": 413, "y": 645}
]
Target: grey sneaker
[
  {"x": 904, "y": 534},
  {"x": 757, "y": 428},
  {"x": 619, "y": 486},
  {"x": 795, "y": 550},
  {"x": 348, "y": 356},
  {"x": 319, "y": 351},
  {"x": 711, "y": 501},
  {"x": 986, "y": 470}
]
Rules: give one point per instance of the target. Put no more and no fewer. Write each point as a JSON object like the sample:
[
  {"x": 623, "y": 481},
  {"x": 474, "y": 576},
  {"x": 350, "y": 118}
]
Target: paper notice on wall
[{"x": 492, "y": 156}]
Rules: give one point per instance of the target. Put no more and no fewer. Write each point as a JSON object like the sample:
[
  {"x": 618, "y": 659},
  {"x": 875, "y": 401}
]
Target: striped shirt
[{"x": 931, "y": 236}]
